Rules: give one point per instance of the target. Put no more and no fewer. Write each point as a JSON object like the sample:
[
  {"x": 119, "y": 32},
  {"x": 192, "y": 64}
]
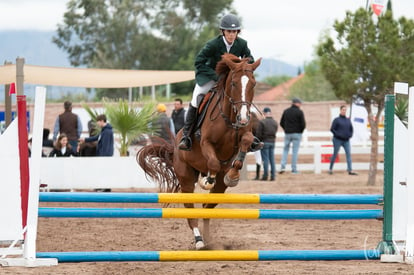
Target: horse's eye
[{"x": 233, "y": 84}]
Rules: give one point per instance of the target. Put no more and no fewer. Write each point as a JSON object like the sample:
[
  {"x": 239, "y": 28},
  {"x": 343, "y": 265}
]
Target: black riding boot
[
  {"x": 257, "y": 172},
  {"x": 185, "y": 142}
]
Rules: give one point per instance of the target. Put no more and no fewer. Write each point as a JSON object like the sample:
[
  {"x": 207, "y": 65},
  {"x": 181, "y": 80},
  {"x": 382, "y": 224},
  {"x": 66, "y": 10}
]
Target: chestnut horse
[{"x": 226, "y": 136}]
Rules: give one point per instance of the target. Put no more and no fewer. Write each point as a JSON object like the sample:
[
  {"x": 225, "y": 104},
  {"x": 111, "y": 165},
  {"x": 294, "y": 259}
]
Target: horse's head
[{"x": 238, "y": 86}]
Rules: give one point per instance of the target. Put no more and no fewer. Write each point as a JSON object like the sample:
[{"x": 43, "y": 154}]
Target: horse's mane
[{"x": 222, "y": 69}]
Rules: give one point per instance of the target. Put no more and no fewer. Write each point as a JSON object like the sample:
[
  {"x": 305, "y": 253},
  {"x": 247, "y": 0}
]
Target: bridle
[{"x": 235, "y": 106}]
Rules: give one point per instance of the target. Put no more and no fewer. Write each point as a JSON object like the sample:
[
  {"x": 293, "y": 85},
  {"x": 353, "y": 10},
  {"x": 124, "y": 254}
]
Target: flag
[
  {"x": 378, "y": 6},
  {"x": 12, "y": 89}
]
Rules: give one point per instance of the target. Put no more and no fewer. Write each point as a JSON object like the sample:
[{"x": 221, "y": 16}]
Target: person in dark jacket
[
  {"x": 62, "y": 148},
  {"x": 105, "y": 146},
  {"x": 205, "y": 65},
  {"x": 163, "y": 125},
  {"x": 69, "y": 124},
  {"x": 266, "y": 132},
  {"x": 342, "y": 131},
  {"x": 293, "y": 123},
  {"x": 47, "y": 144},
  {"x": 178, "y": 115},
  {"x": 88, "y": 149}
]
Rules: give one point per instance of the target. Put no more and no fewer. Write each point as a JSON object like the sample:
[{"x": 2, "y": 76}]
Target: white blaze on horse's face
[{"x": 244, "y": 112}]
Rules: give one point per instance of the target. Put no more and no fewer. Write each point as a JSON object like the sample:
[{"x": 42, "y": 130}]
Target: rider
[{"x": 205, "y": 65}]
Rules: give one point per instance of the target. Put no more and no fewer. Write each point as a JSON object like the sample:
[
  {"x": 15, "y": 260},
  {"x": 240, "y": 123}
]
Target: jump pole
[
  {"x": 211, "y": 198},
  {"x": 215, "y": 213},
  {"x": 215, "y": 255}
]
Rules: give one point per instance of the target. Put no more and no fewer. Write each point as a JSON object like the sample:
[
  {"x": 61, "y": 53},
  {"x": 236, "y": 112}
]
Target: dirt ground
[{"x": 173, "y": 234}]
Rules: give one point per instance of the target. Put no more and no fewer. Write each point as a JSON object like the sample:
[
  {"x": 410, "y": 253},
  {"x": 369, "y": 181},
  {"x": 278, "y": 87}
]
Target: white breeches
[
  {"x": 258, "y": 157},
  {"x": 198, "y": 90}
]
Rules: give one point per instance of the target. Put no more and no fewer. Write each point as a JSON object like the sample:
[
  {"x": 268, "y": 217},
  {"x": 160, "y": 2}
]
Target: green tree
[
  {"x": 313, "y": 86},
  {"x": 148, "y": 34},
  {"x": 368, "y": 56}
]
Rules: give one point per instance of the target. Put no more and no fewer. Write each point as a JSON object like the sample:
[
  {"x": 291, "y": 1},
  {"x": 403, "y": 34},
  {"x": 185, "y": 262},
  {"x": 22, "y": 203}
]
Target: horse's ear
[{"x": 257, "y": 63}]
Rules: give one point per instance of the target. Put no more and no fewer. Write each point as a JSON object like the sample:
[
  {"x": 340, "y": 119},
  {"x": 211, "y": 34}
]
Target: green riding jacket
[{"x": 207, "y": 59}]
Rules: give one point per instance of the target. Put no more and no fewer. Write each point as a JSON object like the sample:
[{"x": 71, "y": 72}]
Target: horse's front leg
[
  {"x": 232, "y": 177},
  {"x": 193, "y": 223},
  {"x": 213, "y": 166}
]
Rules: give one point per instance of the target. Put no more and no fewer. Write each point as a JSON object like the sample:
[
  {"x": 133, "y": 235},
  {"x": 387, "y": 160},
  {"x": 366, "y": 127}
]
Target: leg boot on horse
[{"x": 185, "y": 142}]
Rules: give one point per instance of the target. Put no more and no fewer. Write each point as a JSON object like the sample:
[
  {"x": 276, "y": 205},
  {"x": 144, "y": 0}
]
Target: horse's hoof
[
  {"x": 199, "y": 245},
  {"x": 205, "y": 184},
  {"x": 230, "y": 182}
]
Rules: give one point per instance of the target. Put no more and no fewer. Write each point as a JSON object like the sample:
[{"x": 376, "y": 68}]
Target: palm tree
[{"x": 129, "y": 121}]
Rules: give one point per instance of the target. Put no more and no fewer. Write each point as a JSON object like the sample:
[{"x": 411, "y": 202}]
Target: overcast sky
[{"x": 280, "y": 29}]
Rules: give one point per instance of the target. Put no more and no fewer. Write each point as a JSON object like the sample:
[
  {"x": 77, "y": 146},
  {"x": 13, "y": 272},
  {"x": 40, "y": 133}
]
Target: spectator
[
  {"x": 342, "y": 131},
  {"x": 46, "y": 141},
  {"x": 178, "y": 115},
  {"x": 47, "y": 144},
  {"x": 267, "y": 133},
  {"x": 62, "y": 148},
  {"x": 88, "y": 149},
  {"x": 163, "y": 125},
  {"x": 105, "y": 146},
  {"x": 293, "y": 123},
  {"x": 69, "y": 124},
  {"x": 257, "y": 154}
]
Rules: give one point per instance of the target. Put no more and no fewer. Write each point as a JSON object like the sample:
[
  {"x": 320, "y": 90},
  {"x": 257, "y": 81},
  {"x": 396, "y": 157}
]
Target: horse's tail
[{"x": 156, "y": 160}]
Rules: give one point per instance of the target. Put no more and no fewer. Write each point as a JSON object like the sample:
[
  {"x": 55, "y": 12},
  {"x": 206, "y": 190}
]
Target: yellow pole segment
[
  {"x": 217, "y": 255},
  {"x": 205, "y": 213},
  {"x": 208, "y": 198}
]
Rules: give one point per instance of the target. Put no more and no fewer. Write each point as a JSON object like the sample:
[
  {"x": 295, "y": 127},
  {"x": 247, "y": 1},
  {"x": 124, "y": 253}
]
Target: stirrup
[
  {"x": 256, "y": 145},
  {"x": 185, "y": 144}
]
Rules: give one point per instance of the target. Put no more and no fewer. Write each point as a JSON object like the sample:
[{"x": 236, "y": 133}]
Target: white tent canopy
[{"x": 92, "y": 78}]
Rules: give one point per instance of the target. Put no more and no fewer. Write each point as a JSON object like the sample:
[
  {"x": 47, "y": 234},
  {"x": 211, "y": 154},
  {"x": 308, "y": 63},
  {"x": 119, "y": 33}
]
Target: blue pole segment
[
  {"x": 320, "y": 199},
  {"x": 320, "y": 214},
  {"x": 104, "y": 256},
  {"x": 98, "y": 197},
  {"x": 100, "y": 212},
  {"x": 318, "y": 255}
]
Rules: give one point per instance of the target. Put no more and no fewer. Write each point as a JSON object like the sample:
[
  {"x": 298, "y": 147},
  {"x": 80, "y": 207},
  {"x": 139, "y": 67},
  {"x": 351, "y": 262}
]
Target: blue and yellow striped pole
[
  {"x": 213, "y": 255},
  {"x": 203, "y": 213},
  {"x": 211, "y": 198}
]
